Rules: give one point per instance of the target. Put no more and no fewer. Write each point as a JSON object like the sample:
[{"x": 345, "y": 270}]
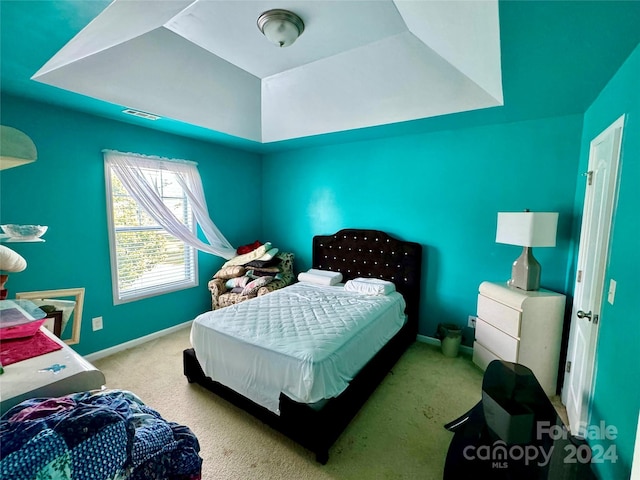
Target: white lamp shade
[
  {"x": 16, "y": 148},
  {"x": 11, "y": 261},
  {"x": 527, "y": 229}
]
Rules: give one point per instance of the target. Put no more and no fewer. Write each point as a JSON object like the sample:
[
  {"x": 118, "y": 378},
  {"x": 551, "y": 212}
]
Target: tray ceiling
[{"x": 357, "y": 64}]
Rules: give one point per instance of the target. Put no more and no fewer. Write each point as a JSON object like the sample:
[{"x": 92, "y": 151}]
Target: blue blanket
[{"x": 109, "y": 434}]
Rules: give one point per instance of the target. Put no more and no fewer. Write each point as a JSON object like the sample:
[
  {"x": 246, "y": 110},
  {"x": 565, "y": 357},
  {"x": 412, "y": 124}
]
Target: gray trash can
[{"x": 450, "y": 337}]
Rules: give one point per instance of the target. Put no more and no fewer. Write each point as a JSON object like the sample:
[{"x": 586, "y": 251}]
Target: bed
[
  {"x": 311, "y": 415},
  {"x": 100, "y": 434}
]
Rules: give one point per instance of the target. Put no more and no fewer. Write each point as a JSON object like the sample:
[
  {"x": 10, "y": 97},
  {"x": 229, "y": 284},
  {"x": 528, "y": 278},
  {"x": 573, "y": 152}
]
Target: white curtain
[{"x": 129, "y": 169}]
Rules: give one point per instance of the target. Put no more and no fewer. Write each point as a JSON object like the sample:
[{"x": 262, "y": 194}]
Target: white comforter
[{"x": 307, "y": 341}]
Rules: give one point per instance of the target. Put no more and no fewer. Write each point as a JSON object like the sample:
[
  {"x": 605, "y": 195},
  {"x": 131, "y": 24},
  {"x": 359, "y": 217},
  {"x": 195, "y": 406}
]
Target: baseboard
[
  {"x": 468, "y": 351},
  {"x": 464, "y": 350},
  {"x": 134, "y": 343}
]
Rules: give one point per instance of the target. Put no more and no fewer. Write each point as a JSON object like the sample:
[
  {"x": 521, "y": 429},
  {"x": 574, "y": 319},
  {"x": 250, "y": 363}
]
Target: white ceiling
[{"x": 358, "y": 63}]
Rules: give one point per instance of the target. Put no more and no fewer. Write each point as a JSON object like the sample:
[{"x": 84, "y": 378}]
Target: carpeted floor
[{"x": 398, "y": 434}]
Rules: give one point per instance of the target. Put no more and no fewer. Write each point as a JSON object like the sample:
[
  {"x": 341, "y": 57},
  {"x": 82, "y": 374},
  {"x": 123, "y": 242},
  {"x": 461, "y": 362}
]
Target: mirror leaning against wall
[{"x": 63, "y": 309}]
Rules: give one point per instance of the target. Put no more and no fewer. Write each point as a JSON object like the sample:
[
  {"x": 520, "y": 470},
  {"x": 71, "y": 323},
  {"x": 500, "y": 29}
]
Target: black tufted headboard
[{"x": 373, "y": 253}]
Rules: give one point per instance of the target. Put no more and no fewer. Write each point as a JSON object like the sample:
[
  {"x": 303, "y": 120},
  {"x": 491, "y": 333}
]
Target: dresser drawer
[
  {"x": 503, "y": 345},
  {"x": 499, "y": 315},
  {"x": 482, "y": 356}
]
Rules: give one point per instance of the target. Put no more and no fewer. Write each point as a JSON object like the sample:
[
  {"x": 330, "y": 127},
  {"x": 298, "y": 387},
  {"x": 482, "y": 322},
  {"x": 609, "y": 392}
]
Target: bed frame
[{"x": 354, "y": 253}]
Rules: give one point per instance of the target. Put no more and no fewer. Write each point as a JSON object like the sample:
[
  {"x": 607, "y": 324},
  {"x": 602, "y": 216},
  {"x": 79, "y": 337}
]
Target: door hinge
[
  {"x": 579, "y": 279},
  {"x": 568, "y": 369},
  {"x": 589, "y": 176}
]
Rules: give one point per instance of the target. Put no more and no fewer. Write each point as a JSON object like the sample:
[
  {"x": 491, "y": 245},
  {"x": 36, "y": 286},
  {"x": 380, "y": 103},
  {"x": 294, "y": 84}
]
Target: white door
[{"x": 600, "y": 196}]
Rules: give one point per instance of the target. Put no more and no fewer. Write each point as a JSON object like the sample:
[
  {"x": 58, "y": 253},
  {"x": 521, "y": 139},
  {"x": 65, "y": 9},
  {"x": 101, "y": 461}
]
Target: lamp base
[{"x": 525, "y": 272}]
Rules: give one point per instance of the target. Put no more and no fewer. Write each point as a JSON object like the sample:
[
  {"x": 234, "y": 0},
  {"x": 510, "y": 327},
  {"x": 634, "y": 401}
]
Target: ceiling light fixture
[{"x": 281, "y": 27}]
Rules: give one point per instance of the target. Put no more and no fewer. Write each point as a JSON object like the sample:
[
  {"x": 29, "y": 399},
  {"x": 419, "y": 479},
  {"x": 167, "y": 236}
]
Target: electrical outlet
[
  {"x": 472, "y": 321},
  {"x": 97, "y": 323}
]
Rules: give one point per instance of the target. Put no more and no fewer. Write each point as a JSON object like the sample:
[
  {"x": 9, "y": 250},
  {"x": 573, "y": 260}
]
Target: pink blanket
[{"x": 16, "y": 350}]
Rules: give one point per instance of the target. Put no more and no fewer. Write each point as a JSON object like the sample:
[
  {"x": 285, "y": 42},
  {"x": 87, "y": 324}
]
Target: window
[{"x": 146, "y": 259}]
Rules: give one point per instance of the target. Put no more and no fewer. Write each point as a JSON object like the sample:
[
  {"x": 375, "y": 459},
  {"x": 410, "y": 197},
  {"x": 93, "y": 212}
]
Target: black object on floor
[{"x": 514, "y": 432}]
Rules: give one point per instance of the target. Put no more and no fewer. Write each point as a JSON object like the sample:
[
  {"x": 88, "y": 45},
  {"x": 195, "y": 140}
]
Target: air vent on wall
[{"x": 138, "y": 113}]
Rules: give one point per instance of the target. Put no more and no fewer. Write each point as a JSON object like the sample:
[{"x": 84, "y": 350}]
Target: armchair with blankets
[{"x": 257, "y": 270}]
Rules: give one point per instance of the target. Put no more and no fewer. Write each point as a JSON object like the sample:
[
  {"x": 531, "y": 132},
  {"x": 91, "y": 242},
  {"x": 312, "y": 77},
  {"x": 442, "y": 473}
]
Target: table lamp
[{"x": 527, "y": 229}]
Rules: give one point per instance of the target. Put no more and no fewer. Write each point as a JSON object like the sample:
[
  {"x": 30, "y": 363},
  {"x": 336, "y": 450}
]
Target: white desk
[{"x": 33, "y": 377}]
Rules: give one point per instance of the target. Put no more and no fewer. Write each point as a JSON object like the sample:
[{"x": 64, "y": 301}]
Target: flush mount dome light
[{"x": 281, "y": 27}]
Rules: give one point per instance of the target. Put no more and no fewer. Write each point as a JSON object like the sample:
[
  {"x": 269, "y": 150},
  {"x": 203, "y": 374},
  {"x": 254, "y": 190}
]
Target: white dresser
[{"x": 520, "y": 326}]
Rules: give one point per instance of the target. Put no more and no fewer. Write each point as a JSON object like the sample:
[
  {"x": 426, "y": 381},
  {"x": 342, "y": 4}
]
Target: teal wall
[
  {"x": 65, "y": 190},
  {"x": 440, "y": 189},
  {"x": 616, "y": 396}
]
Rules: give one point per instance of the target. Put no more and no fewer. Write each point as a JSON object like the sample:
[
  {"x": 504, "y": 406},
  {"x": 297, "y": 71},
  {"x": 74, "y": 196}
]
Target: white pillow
[
  {"x": 370, "y": 286},
  {"x": 268, "y": 255},
  {"x": 247, "y": 257},
  {"x": 326, "y": 273},
  {"x": 328, "y": 278}
]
